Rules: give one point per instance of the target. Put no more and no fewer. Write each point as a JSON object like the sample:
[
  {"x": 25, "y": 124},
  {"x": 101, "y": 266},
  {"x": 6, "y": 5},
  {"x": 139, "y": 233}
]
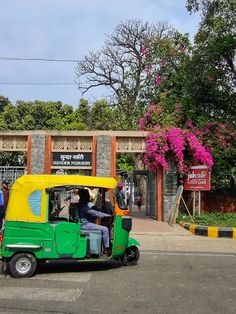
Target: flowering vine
[
  {"x": 171, "y": 131},
  {"x": 165, "y": 141}
]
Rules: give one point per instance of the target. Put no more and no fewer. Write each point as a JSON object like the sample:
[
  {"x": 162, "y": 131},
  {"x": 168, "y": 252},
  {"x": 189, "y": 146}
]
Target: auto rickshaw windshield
[{"x": 120, "y": 200}]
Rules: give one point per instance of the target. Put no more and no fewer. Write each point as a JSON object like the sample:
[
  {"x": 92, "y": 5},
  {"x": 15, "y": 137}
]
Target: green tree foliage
[
  {"x": 13, "y": 159},
  {"x": 3, "y": 103},
  {"x": 46, "y": 115},
  {"x": 200, "y": 80},
  {"x": 98, "y": 116},
  {"x": 39, "y": 115},
  {"x": 101, "y": 116},
  {"x": 211, "y": 79},
  {"x": 84, "y": 110},
  {"x": 126, "y": 162},
  {"x": 166, "y": 73},
  {"x": 9, "y": 118}
]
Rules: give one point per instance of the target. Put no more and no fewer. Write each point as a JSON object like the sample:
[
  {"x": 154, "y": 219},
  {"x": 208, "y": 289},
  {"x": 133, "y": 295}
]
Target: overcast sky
[{"x": 68, "y": 29}]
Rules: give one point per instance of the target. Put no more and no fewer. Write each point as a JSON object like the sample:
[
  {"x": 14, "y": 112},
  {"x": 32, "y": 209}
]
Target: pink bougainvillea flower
[
  {"x": 157, "y": 80},
  {"x": 200, "y": 154},
  {"x": 188, "y": 146},
  {"x": 152, "y": 107},
  {"x": 163, "y": 63},
  {"x": 157, "y": 127},
  {"x": 210, "y": 78},
  {"x": 178, "y": 107},
  {"x": 189, "y": 124},
  {"x": 148, "y": 69},
  {"x": 177, "y": 145},
  {"x": 159, "y": 145},
  {"x": 141, "y": 124},
  {"x": 145, "y": 51}
]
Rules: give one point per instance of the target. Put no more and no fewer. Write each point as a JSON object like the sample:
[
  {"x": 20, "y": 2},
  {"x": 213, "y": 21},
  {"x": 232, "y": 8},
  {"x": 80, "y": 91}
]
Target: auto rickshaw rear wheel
[
  {"x": 131, "y": 256},
  {"x": 22, "y": 265}
]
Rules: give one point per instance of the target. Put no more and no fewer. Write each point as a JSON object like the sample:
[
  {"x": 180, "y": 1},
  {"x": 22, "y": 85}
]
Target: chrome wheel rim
[{"x": 23, "y": 265}]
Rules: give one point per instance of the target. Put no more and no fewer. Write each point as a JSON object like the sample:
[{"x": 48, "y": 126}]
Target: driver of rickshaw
[{"x": 88, "y": 216}]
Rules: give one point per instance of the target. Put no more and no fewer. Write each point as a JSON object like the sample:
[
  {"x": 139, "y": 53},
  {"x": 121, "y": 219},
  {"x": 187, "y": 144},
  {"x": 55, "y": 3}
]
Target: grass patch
[{"x": 211, "y": 219}]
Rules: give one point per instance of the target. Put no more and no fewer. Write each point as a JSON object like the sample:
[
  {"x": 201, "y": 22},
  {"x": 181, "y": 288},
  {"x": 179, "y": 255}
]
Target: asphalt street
[
  {"x": 177, "y": 273},
  {"x": 162, "y": 282}
]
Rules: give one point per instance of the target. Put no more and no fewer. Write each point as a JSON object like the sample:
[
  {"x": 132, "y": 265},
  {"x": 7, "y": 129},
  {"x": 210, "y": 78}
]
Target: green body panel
[
  {"x": 57, "y": 239},
  {"x": 132, "y": 241},
  {"x": 68, "y": 240},
  {"x": 53, "y": 240},
  {"x": 66, "y": 236},
  {"x": 121, "y": 238},
  {"x": 81, "y": 249},
  {"x": 23, "y": 233}
]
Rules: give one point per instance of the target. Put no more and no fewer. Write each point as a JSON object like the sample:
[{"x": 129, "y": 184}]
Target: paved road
[
  {"x": 177, "y": 273},
  {"x": 162, "y": 282}
]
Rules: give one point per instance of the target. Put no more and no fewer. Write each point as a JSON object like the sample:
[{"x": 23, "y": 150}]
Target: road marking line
[
  {"x": 73, "y": 277},
  {"x": 187, "y": 254},
  {"x": 37, "y": 294}
]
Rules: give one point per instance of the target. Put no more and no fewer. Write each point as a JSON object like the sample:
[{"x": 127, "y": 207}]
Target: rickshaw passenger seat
[
  {"x": 94, "y": 240},
  {"x": 85, "y": 232}
]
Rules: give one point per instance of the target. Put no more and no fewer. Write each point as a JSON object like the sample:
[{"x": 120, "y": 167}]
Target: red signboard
[{"x": 198, "y": 179}]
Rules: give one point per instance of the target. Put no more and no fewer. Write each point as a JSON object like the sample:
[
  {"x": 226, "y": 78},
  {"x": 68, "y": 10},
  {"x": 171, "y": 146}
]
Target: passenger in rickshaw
[
  {"x": 72, "y": 202},
  {"x": 54, "y": 205},
  {"x": 88, "y": 217}
]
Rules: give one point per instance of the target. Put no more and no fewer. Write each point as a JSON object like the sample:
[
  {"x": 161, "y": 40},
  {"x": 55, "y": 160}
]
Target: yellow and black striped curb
[{"x": 210, "y": 231}]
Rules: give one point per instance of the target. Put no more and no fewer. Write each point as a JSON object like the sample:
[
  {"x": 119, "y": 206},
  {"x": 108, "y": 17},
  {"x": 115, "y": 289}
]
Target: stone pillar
[
  {"x": 37, "y": 154},
  {"x": 170, "y": 189},
  {"x": 103, "y": 163}
]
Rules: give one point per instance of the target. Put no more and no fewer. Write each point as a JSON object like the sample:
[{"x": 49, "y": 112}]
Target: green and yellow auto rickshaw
[{"x": 37, "y": 228}]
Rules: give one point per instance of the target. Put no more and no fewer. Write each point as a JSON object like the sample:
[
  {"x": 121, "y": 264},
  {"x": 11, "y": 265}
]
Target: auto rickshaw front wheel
[
  {"x": 22, "y": 265},
  {"x": 131, "y": 256}
]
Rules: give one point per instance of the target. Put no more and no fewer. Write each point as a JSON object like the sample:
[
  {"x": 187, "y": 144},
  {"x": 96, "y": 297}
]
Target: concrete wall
[
  {"x": 37, "y": 158},
  {"x": 103, "y": 156},
  {"x": 170, "y": 189}
]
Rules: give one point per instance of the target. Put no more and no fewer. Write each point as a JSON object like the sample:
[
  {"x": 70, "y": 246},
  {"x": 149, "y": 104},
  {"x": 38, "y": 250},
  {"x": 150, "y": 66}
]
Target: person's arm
[
  {"x": 67, "y": 201},
  {"x": 1, "y": 199},
  {"x": 56, "y": 213},
  {"x": 97, "y": 214}
]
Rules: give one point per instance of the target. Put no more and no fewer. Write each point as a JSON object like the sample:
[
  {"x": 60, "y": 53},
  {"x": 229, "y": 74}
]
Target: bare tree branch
[{"x": 120, "y": 65}]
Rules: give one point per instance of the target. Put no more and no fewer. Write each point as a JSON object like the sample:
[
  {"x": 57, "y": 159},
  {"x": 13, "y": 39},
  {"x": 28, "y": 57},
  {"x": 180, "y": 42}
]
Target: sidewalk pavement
[
  {"x": 155, "y": 235},
  {"x": 144, "y": 225}
]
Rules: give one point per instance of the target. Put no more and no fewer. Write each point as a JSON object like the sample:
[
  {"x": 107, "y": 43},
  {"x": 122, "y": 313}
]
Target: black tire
[
  {"x": 131, "y": 256},
  {"x": 22, "y": 265}
]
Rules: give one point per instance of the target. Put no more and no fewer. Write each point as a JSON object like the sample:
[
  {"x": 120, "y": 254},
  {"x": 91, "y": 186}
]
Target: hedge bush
[{"x": 211, "y": 219}]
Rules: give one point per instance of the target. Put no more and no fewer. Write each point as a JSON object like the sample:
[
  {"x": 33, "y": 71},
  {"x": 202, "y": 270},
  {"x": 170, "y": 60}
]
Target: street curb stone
[{"x": 210, "y": 231}]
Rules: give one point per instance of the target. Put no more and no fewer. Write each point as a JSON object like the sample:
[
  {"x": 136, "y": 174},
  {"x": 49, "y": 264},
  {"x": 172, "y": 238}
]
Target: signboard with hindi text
[
  {"x": 71, "y": 159},
  {"x": 198, "y": 179}
]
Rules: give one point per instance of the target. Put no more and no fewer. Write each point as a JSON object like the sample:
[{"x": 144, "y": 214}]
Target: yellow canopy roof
[
  {"x": 19, "y": 208},
  {"x": 47, "y": 181}
]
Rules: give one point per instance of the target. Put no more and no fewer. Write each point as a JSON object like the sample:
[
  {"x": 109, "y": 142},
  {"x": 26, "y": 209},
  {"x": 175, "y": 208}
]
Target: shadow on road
[{"x": 70, "y": 266}]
